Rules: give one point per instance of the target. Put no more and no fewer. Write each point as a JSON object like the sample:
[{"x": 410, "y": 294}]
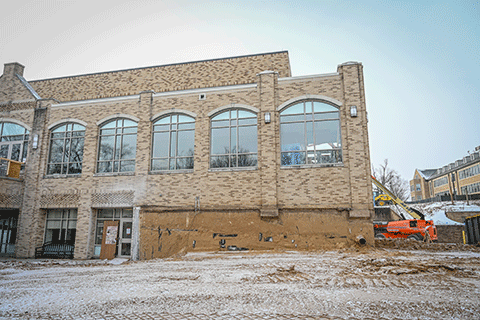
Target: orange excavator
[{"x": 417, "y": 228}]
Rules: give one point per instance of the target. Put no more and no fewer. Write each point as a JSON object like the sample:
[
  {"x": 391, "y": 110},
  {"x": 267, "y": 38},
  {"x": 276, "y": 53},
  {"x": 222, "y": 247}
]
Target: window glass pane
[
  {"x": 77, "y": 127},
  {"x": 327, "y": 134},
  {"x": 127, "y": 213},
  {"x": 164, "y": 127},
  {"x": 78, "y": 133},
  {"x": 322, "y": 107},
  {"x": 173, "y": 143},
  {"x": 130, "y": 130},
  {"x": 126, "y": 249},
  {"x": 220, "y": 141},
  {"x": 74, "y": 168},
  {"x": 12, "y": 129},
  {"x": 292, "y": 136},
  {"x": 309, "y": 127},
  {"x": 219, "y": 161},
  {"x": 247, "y": 139},
  {"x": 247, "y": 160},
  {"x": 108, "y": 131},
  {"x": 129, "y": 123},
  {"x": 105, "y": 166},
  {"x": 173, "y": 164},
  {"x": 182, "y": 118},
  {"x": 186, "y": 126},
  {"x": 160, "y": 164},
  {"x": 160, "y": 144},
  {"x": 185, "y": 143},
  {"x": 54, "y": 214},
  {"x": 246, "y": 114},
  {"x": 185, "y": 163},
  {"x": 221, "y": 116},
  {"x": 233, "y": 161},
  {"x": 300, "y": 117},
  {"x": 292, "y": 158},
  {"x": 110, "y": 124},
  {"x": 105, "y": 213},
  {"x": 66, "y": 150},
  {"x": 308, "y": 107},
  {"x": 118, "y": 146},
  {"x": 163, "y": 120},
  {"x": 247, "y": 121},
  {"x": 329, "y": 156},
  {"x": 129, "y": 146},
  {"x": 233, "y": 140},
  {"x": 54, "y": 169},
  {"x": 295, "y": 109},
  {"x": 60, "y": 129},
  {"x": 56, "y": 151},
  {"x": 127, "y": 166},
  {"x": 328, "y": 115},
  {"x": 106, "y": 148},
  {"x": 225, "y": 123},
  {"x": 76, "y": 150}
]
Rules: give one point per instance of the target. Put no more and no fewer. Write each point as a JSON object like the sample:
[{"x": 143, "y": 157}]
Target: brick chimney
[{"x": 10, "y": 69}]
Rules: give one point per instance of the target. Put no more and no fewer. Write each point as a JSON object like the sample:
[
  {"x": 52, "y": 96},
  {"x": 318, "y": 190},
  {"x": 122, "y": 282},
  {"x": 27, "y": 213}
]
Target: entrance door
[
  {"x": 8, "y": 232},
  {"x": 125, "y": 238}
]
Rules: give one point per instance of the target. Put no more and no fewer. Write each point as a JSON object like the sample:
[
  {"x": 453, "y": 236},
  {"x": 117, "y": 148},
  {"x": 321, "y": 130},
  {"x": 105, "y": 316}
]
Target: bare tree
[{"x": 391, "y": 179}]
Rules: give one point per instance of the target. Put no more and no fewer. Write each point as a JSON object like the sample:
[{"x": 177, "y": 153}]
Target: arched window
[
  {"x": 310, "y": 134},
  {"x": 173, "y": 142},
  {"x": 117, "y": 146},
  {"x": 13, "y": 141},
  {"x": 66, "y": 149},
  {"x": 233, "y": 139}
]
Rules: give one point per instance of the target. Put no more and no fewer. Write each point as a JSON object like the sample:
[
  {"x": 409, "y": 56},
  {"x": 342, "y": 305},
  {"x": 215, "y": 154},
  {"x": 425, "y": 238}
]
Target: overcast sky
[{"x": 421, "y": 58}]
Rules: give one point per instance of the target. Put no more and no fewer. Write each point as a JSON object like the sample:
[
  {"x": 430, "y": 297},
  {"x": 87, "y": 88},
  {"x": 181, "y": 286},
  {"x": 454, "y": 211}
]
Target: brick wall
[
  {"x": 235, "y": 199},
  {"x": 202, "y": 74}
]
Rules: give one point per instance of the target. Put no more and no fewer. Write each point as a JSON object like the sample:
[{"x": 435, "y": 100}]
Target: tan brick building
[
  {"x": 208, "y": 155},
  {"x": 461, "y": 177}
]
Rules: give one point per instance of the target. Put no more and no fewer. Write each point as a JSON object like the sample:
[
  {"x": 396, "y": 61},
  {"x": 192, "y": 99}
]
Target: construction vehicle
[
  {"x": 416, "y": 228},
  {"x": 382, "y": 199}
]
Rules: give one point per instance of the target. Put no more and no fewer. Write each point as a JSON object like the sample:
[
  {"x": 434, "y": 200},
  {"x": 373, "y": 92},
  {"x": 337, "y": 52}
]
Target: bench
[{"x": 55, "y": 250}]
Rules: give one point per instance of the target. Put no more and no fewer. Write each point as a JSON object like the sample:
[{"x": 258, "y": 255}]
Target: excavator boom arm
[{"x": 414, "y": 213}]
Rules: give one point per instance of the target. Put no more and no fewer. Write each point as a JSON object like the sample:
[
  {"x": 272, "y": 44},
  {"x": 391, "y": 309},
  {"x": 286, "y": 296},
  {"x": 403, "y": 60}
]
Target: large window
[
  {"x": 173, "y": 143},
  {"x": 66, "y": 149},
  {"x": 234, "y": 139},
  {"x": 13, "y": 141},
  {"x": 61, "y": 226},
  {"x": 310, "y": 134},
  {"x": 117, "y": 146}
]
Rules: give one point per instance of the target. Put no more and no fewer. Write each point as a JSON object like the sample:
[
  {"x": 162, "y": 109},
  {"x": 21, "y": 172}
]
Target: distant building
[
  {"x": 185, "y": 157},
  {"x": 461, "y": 177}
]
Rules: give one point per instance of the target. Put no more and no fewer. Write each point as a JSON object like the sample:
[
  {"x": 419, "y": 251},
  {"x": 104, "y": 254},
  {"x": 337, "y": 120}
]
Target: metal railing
[{"x": 10, "y": 168}]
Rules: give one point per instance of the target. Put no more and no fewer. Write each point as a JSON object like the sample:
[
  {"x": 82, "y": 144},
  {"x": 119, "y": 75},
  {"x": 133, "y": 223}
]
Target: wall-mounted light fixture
[
  {"x": 353, "y": 111},
  {"x": 35, "y": 141},
  {"x": 267, "y": 117}
]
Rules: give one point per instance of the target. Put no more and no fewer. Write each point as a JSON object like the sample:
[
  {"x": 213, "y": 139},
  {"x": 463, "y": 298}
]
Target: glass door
[{"x": 125, "y": 239}]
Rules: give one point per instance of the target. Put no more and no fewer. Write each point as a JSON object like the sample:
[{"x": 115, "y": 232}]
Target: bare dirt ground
[{"x": 395, "y": 280}]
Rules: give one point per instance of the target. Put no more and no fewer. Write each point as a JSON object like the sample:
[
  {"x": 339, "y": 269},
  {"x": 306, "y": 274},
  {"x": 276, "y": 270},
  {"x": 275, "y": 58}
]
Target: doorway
[
  {"x": 124, "y": 241},
  {"x": 8, "y": 232}
]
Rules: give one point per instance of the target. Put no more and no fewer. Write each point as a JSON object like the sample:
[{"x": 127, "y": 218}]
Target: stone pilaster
[
  {"x": 32, "y": 220},
  {"x": 268, "y": 142},
  {"x": 358, "y": 154}
]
